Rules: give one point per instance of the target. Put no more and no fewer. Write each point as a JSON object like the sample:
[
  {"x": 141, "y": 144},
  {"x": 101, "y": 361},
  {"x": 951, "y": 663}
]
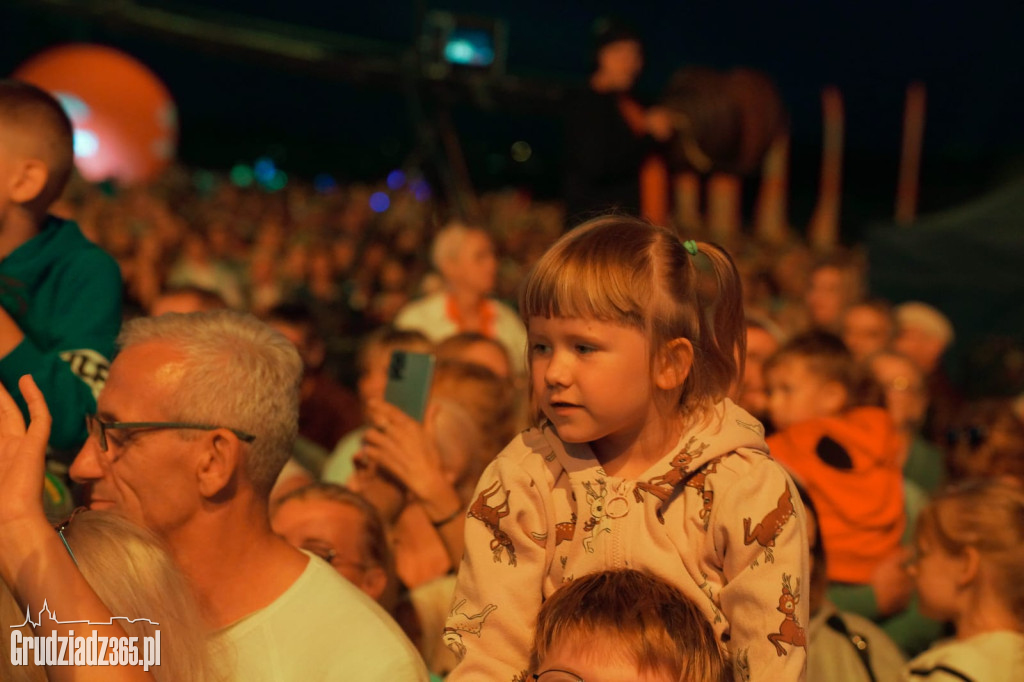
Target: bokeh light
[
  {"x": 396, "y": 179},
  {"x": 242, "y": 175},
  {"x": 205, "y": 181},
  {"x": 324, "y": 183},
  {"x": 87, "y": 145},
  {"x": 277, "y": 182},
  {"x": 264, "y": 169},
  {"x": 126, "y": 124},
  {"x": 379, "y": 202},
  {"x": 521, "y": 151},
  {"x": 420, "y": 189}
]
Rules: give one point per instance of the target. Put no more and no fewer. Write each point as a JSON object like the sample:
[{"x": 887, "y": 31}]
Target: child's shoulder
[
  {"x": 65, "y": 238},
  {"x": 59, "y": 252},
  {"x": 530, "y": 448},
  {"x": 730, "y": 439},
  {"x": 746, "y": 463},
  {"x": 539, "y": 455}
]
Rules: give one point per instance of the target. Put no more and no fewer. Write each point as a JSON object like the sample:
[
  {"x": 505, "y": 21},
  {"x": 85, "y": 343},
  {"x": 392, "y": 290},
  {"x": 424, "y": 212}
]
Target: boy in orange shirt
[{"x": 845, "y": 453}]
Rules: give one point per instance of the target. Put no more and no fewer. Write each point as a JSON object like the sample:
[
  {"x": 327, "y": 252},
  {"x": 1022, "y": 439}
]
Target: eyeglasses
[
  {"x": 330, "y": 555},
  {"x": 98, "y": 428},
  {"x": 557, "y": 676},
  {"x": 60, "y": 528}
]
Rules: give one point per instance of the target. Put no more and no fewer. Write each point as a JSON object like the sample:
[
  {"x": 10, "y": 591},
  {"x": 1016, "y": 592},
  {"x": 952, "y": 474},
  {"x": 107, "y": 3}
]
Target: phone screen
[{"x": 409, "y": 377}]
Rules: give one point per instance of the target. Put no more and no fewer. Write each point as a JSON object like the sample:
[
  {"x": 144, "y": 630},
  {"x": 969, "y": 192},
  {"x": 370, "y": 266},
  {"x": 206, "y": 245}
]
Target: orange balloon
[{"x": 126, "y": 124}]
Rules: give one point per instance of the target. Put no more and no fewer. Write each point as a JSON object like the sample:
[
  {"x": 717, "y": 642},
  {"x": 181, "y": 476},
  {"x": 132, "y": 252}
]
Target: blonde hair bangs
[
  {"x": 602, "y": 270},
  {"x": 623, "y": 270}
]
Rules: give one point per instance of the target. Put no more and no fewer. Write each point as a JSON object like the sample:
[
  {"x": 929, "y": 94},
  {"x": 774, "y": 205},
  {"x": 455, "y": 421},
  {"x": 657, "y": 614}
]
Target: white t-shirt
[
  {"x": 429, "y": 315},
  {"x": 322, "y": 628}
]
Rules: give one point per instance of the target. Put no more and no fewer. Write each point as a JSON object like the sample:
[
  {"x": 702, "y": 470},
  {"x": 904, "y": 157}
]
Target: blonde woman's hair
[
  {"x": 626, "y": 271},
  {"x": 133, "y": 574},
  {"x": 240, "y": 374},
  {"x": 988, "y": 515},
  {"x": 640, "y": 616}
]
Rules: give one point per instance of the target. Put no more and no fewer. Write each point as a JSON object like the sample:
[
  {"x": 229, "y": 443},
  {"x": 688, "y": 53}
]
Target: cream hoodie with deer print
[{"x": 716, "y": 517}]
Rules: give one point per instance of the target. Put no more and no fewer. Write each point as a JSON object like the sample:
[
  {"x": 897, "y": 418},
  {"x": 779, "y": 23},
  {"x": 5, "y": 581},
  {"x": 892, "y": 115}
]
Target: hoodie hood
[
  {"x": 850, "y": 467},
  {"x": 863, "y": 438},
  {"x": 729, "y": 429}
]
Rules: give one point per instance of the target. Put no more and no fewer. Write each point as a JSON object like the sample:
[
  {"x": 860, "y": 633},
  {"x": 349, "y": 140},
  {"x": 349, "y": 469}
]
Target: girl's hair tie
[{"x": 690, "y": 246}]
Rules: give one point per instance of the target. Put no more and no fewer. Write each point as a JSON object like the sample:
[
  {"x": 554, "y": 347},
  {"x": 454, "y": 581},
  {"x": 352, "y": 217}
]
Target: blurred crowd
[
  {"x": 891, "y": 459},
  {"x": 332, "y": 273}
]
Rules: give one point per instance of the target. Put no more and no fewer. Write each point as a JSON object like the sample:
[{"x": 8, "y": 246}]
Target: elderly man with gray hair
[
  {"x": 192, "y": 428},
  {"x": 464, "y": 256}
]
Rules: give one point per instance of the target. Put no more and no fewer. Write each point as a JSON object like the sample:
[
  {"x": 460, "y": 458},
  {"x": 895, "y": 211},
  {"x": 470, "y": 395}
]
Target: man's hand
[
  {"x": 33, "y": 562},
  {"x": 22, "y": 453}
]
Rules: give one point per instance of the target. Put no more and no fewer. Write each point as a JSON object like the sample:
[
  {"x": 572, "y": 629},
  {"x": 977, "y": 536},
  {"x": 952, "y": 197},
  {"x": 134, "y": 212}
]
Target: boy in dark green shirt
[{"x": 60, "y": 295}]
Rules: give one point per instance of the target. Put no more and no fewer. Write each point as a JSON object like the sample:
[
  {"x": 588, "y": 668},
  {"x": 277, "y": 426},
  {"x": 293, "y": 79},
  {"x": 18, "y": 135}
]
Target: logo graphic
[{"x": 72, "y": 649}]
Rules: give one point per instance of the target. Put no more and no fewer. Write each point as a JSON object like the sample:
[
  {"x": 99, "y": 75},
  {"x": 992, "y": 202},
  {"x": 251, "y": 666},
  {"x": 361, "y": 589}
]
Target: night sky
[{"x": 235, "y": 106}]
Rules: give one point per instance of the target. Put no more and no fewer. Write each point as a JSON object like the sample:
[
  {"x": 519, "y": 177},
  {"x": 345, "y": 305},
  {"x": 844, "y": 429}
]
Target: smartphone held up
[{"x": 409, "y": 378}]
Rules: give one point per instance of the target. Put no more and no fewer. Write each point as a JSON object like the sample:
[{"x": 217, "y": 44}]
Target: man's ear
[
  {"x": 219, "y": 463},
  {"x": 29, "y": 181},
  {"x": 834, "y": 397},
  {"x": 673, "y": 364}
]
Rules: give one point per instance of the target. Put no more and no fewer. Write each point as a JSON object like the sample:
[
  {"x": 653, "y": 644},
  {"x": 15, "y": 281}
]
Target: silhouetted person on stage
[{"x": 608, "y": 133}]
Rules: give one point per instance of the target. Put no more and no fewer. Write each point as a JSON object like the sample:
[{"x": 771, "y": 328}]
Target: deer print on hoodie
[{"x": 716, "y": 516}]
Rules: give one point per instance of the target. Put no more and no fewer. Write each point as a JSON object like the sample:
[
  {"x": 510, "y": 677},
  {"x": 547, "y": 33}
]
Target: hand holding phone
[{"x": 409, "y": 378}]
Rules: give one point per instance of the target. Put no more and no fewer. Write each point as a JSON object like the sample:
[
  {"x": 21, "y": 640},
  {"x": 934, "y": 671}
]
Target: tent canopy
[{"x": 969, "y": 263}]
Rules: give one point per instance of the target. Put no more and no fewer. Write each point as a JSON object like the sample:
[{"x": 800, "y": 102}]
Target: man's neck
[
  {"x": 18, "y": 227},
  {"x": 234, "y": 563}
]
